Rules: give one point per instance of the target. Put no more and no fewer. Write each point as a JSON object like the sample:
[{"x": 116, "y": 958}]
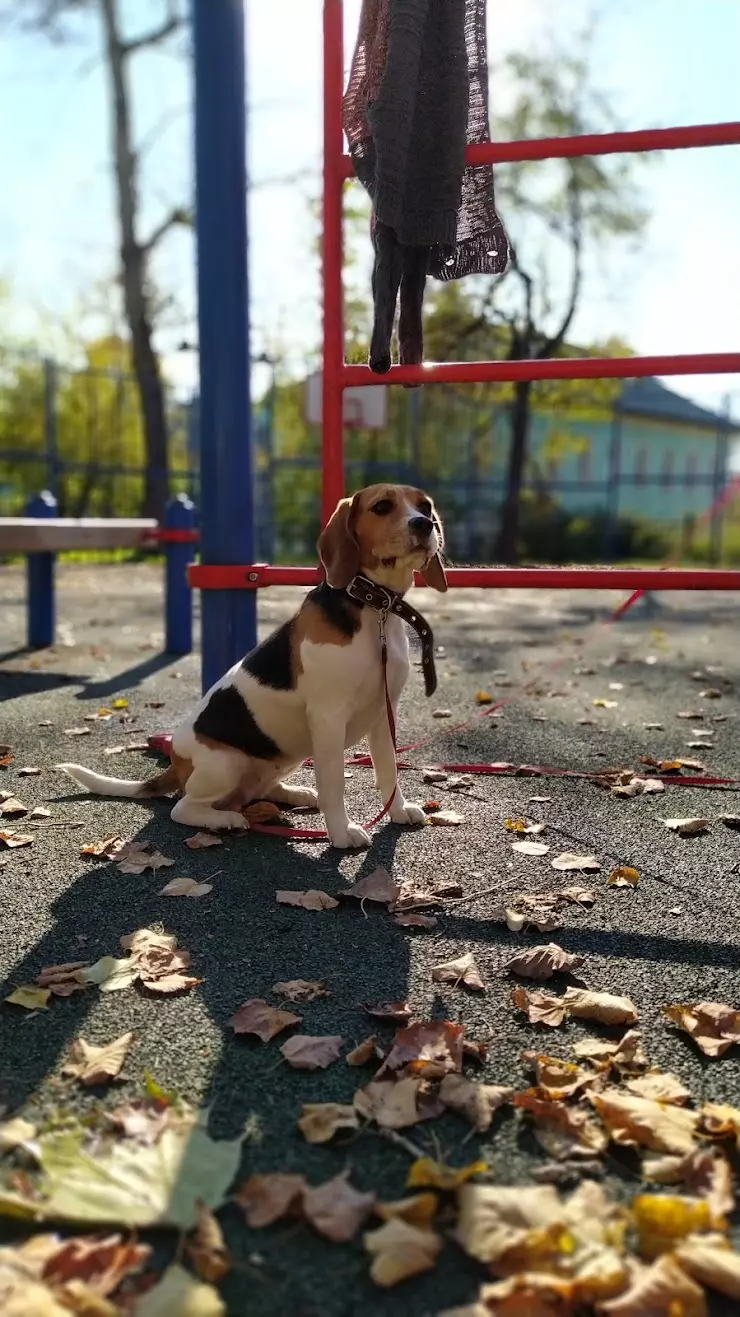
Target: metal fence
[{"x": 79, "y": 433}]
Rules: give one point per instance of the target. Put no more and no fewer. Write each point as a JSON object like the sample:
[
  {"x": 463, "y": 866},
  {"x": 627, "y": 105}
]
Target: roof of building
[{"x": 648, "y": 397}]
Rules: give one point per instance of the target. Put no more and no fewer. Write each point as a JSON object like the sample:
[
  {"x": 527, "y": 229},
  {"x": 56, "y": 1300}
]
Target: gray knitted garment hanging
[{"x": 417, "y": 93}]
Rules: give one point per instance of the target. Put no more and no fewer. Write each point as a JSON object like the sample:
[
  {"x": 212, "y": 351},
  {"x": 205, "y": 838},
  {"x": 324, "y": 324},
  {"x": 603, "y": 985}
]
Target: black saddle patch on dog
[
  {"x": 226, "y": 718},
  {"x": 271, "y": 663},
  {"x": 338, "y": 608}
]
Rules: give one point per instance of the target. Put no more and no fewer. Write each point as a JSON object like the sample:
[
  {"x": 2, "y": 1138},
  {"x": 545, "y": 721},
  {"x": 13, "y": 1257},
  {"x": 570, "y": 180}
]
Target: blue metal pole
[
  {"x": 229, "y": 617},
  {"x": 40, "y": 580},
  {"x": 178, "y": 601}
]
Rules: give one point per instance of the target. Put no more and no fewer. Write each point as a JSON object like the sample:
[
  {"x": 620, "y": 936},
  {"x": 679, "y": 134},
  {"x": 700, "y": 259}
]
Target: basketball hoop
[{"x": 365, "y": 407}]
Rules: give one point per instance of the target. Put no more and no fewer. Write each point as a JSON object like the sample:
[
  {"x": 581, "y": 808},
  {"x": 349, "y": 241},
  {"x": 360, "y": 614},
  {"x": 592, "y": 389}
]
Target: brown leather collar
[{"x": 365, "y": 591}]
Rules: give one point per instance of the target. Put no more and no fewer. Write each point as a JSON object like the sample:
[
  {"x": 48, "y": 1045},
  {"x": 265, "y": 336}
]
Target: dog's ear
[
  {"x": 434, "y": 572},
  {"x": 338, "y": 548}
]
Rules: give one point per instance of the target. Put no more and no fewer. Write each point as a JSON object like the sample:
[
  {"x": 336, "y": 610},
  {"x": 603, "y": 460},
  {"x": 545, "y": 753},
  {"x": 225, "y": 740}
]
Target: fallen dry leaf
[
  {"x": 661, "y": 1289},
  {"x": 417, "y": 1210},
  {"x": 731, "y": 821},
  {"x": 442, "y": 713},
  {"x": 706, "y": 1173},
  {"x": 399, "y": 1011},
  {"x": 77, "y": 731},
  {"x": 255, "y": 1016},
  {"x": 200, "y": 840},
  {"x": 539, "y": 1007},
  {"x": 97, "y": 1065},
  {"x": 206, "y": 1248},
  {"x": 337, "y": 1210},
  {"x": 713, "y": 1026},
  {"x": 107, "y": 849},
  {"x": 710, "y": 1260},
  {"x": 663, "y": 1220},
  {"x": 39, "y": 813},
  {"x": 624, "y": 876},
  {"x": 561, "y": 1078},
  {"x": 687, "y": 827},
  {"x": 425, "y": 1173},
  {"x": 542, "y": 962},
  {"x": 179, "y": 1292},
  {"x": 568, "y": 861},
  {"x": 365, "y": 1051},
  {"x": 523, "y": 826},
  {"x": 415, "y": 921},
  {"x": 186, "y": 887},
  {"x": 446, "y": 818},
  {"x": 266, "y": 1199},
  {"x": 483, "y": 697},
  {"x": 320, "y": 1121},
  {"x": 29, "y": 772},
  {"x": 660, "y": 1085},
  {"x": 29, "y": 997},
  {"x": 627, "y": 1053},
  {"x": 142, "y": 1119},
  {"x": 601, "y": 1006},
  {"x": 376, "y": 886},
  {"x": 605, "y": 704},
  {"x": 15, "y": 839},
  {"x": 563, "y": 1131},
  {"x": 463, "y": 970},
  {"x": 397, "y": 1103},
  {"x": 13, "y": 808},
  {"x": 310, "y": 900},
  {"x": 476, "y": 1102},
  {"x": 433, "y": 775},
  {"x": 530, "y": 847},
  {"x": 400, "y": 1250},
  {"x": 309, "y": 1052},
  {"x": 63, "y": 980},
  {"x": 136, "y": 856},
  {"x": 430, "y": 1048},
  {"x": 578, "y": 895},
  {"x": 300, "y": 989},
  {"x": 642, "y": 1122}
]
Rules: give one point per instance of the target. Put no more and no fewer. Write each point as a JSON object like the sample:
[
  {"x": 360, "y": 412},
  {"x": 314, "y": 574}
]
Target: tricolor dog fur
[{"x": 314, "y": 688}]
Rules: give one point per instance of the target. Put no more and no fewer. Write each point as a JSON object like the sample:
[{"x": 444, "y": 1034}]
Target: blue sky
[{"x": 661, "y": 62}]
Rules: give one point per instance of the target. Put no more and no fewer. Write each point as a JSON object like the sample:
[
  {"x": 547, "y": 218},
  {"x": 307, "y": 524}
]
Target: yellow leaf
[
  {"x": 483, "y": 697},
  {"x": 419, "y": 1210},
  {"x": 120, "y": 703},
  {"x": 624, "y": 876},
  {"x": 425, "y": 1173},
  {"x": 30, "y": 997},
  {"x": 178, "y": 1294},
  {"x": 710, "y": 1260},
  {"x": 663, "y": 1220}
]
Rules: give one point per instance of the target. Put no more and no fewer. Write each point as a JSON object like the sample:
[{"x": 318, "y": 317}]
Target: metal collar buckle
[{"x": 368, "y": 592}]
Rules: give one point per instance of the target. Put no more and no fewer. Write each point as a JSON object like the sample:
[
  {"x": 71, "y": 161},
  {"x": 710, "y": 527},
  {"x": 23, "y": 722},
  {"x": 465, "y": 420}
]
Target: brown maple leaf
[
  {"x": 309, "y": 1052},
  {"x": 255, "y": 1016}
]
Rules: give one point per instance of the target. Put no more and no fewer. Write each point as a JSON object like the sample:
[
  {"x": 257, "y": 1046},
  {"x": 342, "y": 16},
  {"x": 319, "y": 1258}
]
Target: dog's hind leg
[
  {"x": 215, "y": 778},
  {"x": 282, "y": 793}
]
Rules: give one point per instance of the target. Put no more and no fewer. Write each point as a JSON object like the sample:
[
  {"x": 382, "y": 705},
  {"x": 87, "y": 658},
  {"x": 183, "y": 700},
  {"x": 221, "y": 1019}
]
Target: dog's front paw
[
  {"x": 353, "y": 837},
  {"x": 229, "y": 819},
  {"x": 407, "y": 813}
]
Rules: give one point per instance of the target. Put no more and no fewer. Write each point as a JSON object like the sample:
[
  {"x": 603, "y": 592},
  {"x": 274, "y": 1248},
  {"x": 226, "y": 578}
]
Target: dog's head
[{"x": 386, "y": 532}]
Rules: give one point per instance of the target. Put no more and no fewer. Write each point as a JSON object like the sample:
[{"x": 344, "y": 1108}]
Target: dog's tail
[{"x": 121, "y": 786}]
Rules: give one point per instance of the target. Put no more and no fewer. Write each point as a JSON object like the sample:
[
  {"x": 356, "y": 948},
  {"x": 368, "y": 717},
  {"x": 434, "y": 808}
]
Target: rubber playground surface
[{"x": 673, "y": 938}]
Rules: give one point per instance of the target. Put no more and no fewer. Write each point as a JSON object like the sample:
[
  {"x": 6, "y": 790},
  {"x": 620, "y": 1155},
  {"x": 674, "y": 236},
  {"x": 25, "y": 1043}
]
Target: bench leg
[
  {"x": 178, "y": 605},
  {"x": 40, "y": 580}
]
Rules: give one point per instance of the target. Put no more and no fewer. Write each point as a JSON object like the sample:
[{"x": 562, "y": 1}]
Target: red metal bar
[
  {"x": 561, "y": 148},
  {"x": 170, "y": 535},
  {"x": 258, "y": 575},
  {"x": 333, "y": 358},
  {"x": 563, "y": 368}
]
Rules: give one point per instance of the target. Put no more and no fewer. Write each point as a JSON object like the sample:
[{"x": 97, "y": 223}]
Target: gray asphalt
[{"x": 57, "y": 907}]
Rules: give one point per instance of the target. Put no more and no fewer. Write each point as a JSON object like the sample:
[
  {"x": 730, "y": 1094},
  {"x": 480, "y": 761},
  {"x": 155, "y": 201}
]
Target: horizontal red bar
[
  {"x": 204, "y": 576},
  {"x": 561, "y": 148},
  {"x": 559, "y": 368},
  {"x": 165, "y": 535}
]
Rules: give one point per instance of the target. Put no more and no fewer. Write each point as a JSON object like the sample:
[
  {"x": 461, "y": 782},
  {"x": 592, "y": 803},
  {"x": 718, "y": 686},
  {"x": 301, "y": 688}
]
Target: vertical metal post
[
  {"x": 333, "y": 395},
  {"x": 229, "y": 617},
  {"x": 178, "y": 600},
  {"x": 716, "y": 525},
  {"x": 51, "y": 427},
  {"x": 611, "y": 522},
  {"x": 40, "y": 580}
]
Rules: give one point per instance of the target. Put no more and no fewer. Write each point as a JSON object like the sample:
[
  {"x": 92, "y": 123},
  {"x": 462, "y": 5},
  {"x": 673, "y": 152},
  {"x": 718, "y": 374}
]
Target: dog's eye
[
  {"x": 425, "y": 507},
  {"x": 383, "y": 507}
]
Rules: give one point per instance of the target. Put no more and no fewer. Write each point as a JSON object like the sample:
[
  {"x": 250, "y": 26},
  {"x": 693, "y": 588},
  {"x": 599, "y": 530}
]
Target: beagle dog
[{"x": 315, "y": 687}]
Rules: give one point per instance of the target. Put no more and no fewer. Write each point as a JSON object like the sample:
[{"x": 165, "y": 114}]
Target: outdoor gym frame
[{"x": 226, "y": 574}]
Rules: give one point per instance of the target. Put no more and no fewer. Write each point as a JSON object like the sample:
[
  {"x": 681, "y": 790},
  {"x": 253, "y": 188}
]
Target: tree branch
[
  {"x": 551, "y": 345},
  {"x": 177, "y": 216},
  {"x": 156, "y": 36}
]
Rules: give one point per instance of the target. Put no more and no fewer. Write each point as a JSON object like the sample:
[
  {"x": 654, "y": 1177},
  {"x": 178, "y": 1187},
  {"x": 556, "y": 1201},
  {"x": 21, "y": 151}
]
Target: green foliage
[{"x": 549, "y": 533}]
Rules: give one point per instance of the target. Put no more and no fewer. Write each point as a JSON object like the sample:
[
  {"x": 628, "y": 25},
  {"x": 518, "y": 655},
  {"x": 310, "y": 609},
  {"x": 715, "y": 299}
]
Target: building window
[
  {"x": 584, "y": 466},
  {"x": 692, "y": 468},
  {"x": 640, "y": 466},
  {"x": 666, "y": 469}
]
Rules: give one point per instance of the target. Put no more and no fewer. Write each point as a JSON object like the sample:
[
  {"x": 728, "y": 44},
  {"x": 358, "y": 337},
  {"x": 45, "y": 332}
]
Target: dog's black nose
[{"x": 421, "y": 525}]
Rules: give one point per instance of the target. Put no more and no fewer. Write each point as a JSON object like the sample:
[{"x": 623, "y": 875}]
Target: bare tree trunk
[
  {"x": 134, "y": 256},
  {"x": 509, "y": 532}
]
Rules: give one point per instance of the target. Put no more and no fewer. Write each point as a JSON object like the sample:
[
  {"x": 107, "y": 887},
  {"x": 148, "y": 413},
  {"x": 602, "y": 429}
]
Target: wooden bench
[
  {"x": 63, "y": 534},
  {"x": 42, "y": 535}
]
